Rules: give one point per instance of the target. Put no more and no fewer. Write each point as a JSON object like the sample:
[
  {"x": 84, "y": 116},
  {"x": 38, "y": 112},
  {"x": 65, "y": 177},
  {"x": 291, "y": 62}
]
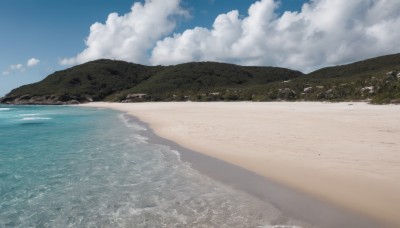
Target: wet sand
[{"x": 334, "y": 165}]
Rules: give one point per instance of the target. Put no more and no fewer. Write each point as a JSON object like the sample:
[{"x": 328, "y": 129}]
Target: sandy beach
[{"x": 347, "y": 154}]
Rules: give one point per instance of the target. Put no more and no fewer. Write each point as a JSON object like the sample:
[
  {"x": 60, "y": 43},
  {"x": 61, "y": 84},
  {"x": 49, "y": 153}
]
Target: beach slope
[{"x": 347, "y": 154}]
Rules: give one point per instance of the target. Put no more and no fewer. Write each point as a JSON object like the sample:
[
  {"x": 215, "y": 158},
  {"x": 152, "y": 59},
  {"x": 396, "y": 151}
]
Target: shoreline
[
  {"x": 282, "y": 173},
  {"x": 318, "y": 213}
]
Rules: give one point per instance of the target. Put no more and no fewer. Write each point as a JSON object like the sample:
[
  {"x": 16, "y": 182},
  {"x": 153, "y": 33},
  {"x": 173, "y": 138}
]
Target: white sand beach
[{"x": 345, "y": 153}]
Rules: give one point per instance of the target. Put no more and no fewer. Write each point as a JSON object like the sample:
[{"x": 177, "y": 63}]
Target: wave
[
  {"x": 5, "y": 109},
  {"x": 36, "y": 118},
  {"x": 177, "y": 154},
  {"x": 128, "y": 121},
  {"x": 33, "y": 114},
  {"x": 141, "y": 139}
]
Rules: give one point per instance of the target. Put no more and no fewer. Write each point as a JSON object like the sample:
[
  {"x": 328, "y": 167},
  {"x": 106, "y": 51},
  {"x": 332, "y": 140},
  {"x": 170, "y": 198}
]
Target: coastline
[{"x": 203, "y": 127}]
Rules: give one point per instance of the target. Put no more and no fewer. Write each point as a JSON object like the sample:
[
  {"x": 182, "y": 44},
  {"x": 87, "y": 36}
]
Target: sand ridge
[{"x": 345, "y": 153}]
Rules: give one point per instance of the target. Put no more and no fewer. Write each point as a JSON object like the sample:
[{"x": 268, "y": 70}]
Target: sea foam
[
  {"x": 31, "y": 114},
  {"x": 35, "y": 118}
]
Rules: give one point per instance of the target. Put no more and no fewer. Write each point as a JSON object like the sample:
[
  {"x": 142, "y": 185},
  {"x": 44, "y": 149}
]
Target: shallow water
[{"x": 81, "y": 167}]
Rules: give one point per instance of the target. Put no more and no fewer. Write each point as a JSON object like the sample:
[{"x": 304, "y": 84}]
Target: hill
[
  {"x": 117, "y": 80},
  {"x": 376, "y": 80}
]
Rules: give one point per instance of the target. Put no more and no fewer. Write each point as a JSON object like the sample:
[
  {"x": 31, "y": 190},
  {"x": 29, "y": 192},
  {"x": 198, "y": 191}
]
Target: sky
[{"x": 39, "y": 37}]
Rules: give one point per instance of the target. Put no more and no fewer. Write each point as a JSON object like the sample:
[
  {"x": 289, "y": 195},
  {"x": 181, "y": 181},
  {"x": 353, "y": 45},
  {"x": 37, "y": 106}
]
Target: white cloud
[
  {"x": 20, "y": 67},
  {"x": 324, "y": 32},
  {"x": 16, "y": 67},
  {"x": 131, "y": 36},
  {"x": 32, "y": 62}
]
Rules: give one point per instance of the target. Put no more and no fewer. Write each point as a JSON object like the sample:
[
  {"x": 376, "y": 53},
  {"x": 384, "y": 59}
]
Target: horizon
[{"x": 300, "y": 35}]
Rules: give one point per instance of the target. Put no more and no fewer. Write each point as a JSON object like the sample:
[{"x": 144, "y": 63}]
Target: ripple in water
[{"x": 89, "y": 169}]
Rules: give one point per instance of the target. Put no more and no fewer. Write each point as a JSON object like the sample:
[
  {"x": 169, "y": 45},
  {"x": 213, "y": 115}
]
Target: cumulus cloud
[
  {"x": 20, "y": 67},
  {"x": 32, "y": 62},
  {"x": 16, "y": 67},
  {"x": 324, "y": 32},
  {"x": 131, "y": 36}
]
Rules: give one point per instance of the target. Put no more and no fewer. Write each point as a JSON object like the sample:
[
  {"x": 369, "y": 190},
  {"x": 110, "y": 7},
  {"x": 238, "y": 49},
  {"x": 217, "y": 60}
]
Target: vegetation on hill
[
  {"x": 91, "y": 81},
  {"x": 376, "y": 80},
  {"x": 190, "y": 81},
  {"x": 115, "y": 80}
]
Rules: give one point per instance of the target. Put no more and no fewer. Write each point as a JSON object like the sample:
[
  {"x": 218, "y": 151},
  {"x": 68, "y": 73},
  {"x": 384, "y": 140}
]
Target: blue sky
[{"x": 48, "y": 32}]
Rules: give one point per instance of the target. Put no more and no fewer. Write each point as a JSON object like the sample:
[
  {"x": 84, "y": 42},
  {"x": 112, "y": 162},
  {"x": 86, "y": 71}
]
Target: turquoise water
[{"x": 81, "y": 167}]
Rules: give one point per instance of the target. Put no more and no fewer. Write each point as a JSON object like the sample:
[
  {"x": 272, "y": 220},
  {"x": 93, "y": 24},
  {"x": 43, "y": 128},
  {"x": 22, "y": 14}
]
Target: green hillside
[
  {"x": 191, "y": 80},
  {"x": 374, "y": 67},
  {"x": 91, "y": 81},
  {"x": 115, "y": 80},
  {"x": 376, "y": 80}
]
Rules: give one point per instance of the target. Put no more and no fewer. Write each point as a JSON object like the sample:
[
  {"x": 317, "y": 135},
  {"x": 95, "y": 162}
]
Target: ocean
[{"x": 64, "y": 166}]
